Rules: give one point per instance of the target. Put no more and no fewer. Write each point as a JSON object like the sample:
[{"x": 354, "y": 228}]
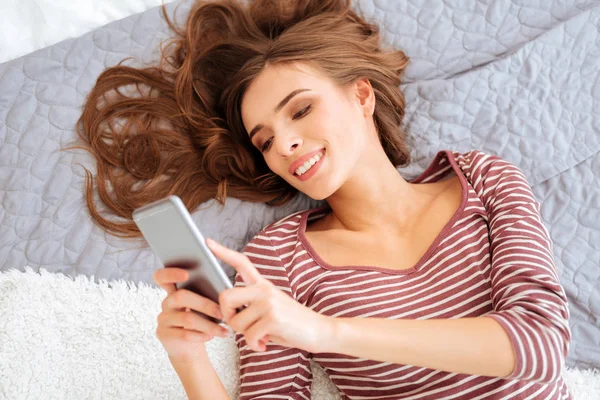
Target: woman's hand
[
  {"x": 271, "y": 314},
  {"x": 182, "y": 331}
]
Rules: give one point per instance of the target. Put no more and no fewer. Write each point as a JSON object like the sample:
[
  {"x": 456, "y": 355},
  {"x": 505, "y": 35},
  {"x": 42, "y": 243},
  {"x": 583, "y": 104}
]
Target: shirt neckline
[{"x": 433, "y": 167}]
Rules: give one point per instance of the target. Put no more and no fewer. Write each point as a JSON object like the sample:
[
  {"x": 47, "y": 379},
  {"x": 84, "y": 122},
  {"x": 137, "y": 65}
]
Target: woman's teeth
[{"x": 308, "y": 164}]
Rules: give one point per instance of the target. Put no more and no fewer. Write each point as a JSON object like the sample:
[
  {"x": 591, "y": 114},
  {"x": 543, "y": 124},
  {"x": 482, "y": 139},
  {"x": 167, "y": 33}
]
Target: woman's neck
[{"x": 378, "y": 200}]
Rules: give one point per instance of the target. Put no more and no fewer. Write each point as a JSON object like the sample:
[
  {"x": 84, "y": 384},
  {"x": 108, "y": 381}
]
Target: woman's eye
[
  {"x": 302, "y": 112},
  {"x": 266, "y": 145},
  {"x": 299, "y": 114}
]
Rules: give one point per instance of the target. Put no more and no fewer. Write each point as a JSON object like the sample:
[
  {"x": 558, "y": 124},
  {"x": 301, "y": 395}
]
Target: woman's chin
[
  {"x": 317, "y": 198},
  {"x": 319, "y": 194},
  {"x": 314, "y": 188}
]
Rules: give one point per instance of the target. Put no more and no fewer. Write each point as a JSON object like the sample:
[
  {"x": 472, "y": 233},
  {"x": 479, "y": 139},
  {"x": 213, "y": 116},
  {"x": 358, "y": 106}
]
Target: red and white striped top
[{"x": 493, "y": 258}]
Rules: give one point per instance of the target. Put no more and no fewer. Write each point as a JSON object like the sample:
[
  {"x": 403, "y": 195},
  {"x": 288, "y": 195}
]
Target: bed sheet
[{"x": 518, "y": 78}]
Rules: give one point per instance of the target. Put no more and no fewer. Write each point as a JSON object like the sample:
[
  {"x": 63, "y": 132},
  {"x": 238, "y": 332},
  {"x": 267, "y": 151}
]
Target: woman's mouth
[{"x": 310, "y": 167}]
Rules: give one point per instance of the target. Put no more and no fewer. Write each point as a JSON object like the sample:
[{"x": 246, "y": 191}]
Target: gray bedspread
[{"x": 516, "y": 78}]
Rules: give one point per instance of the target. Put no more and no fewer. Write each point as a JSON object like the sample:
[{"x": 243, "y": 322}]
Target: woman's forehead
[
  {"x": 274, "y": 83},
  {"x": 284, "y": 78}
]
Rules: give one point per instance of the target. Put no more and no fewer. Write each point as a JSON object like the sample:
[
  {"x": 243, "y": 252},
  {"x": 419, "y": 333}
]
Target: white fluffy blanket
[{"x": 65, "y": 338}]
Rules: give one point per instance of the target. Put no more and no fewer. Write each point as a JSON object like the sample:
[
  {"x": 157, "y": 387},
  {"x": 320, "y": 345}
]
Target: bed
[
  {"x": 29, "y": 25},
  {"x": 520, "y": 79}
]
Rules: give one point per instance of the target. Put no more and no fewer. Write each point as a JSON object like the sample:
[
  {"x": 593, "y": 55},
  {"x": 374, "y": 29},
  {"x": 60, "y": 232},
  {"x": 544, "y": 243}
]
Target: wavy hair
[{"x": 179, "y": 129}]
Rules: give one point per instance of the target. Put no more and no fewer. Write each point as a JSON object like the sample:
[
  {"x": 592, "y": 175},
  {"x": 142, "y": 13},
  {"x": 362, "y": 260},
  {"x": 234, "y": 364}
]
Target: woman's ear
[{"x": 365, "y": 96}]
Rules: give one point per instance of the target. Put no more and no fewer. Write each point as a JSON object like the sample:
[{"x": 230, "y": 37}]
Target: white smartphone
[{"x": 173, "y": 236}]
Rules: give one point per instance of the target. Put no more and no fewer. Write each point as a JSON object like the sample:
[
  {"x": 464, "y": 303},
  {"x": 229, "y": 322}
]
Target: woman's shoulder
[
  {"x": 286, "y": 227},
  {"x": 472, "y": 164},
  {"x": 481, "y": 167},
  {"x": 472, "y": 158},
  {"x": 494, "y": 179}
]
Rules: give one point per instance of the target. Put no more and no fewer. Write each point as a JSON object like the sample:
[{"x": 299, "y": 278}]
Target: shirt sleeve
[
  {"x": 528, "y": 300},
  {"x": 279, "y": 372}
]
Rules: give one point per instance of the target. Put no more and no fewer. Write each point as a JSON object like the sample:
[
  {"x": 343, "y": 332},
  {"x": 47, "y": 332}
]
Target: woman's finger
[
  {"x": 244, "y": 319},
  {"x": 237, "y": 260},
  {"x": 167, "y": 277},
  {"x": 164, "y": 333},
  {"x": 232, "y": 299},
  {"x": 190, "y": 321},
  {"x": 256, "y": 333},
  {"x": 183, "y": 298}
]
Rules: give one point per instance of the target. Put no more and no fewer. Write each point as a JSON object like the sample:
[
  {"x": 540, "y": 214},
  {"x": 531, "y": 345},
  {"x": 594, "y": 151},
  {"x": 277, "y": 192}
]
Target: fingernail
[{"x": 210, "y": 241}]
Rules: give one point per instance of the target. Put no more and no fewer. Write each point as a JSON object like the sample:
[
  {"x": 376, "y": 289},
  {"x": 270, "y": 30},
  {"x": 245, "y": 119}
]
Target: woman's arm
[
  {"x": 200, "y": 381},
  {"x": 476, "y": 346}
]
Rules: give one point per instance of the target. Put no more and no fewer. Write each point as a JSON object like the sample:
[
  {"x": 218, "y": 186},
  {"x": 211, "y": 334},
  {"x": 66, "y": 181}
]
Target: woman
[{"x": 439, "y": 287}]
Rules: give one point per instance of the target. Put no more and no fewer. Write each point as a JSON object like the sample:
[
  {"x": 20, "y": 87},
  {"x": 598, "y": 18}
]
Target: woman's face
[{"x": 311, "y": 132}]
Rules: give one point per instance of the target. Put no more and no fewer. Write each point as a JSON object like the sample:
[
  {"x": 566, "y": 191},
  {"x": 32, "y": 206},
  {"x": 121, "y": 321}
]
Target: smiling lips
[
  {"x": 307, "y": 165},
  {"x": 302, "y": 160}
]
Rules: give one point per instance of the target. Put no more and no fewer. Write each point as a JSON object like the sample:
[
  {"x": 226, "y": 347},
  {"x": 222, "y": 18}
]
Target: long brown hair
[{"x": 180, "y": 132}]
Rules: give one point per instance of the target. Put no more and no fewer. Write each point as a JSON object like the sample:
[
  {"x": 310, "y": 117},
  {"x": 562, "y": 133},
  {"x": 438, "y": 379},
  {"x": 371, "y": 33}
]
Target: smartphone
[{"x": 173, "y": 236}]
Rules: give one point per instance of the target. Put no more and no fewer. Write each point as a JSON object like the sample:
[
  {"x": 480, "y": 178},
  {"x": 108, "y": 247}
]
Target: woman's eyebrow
[{"x": 281, "y": 104}]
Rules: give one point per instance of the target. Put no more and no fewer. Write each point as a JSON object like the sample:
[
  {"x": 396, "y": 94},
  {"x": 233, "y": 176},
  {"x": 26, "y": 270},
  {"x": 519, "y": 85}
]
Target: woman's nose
[{"x": 288, "y": 146}]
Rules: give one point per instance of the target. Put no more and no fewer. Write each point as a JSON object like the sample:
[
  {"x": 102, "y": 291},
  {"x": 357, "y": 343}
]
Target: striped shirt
[{"x": 494, "y": 258}]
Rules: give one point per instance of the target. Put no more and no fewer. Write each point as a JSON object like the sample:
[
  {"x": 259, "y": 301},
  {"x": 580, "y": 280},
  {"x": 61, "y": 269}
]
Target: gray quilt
[{"x": 516, "y": 78}]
